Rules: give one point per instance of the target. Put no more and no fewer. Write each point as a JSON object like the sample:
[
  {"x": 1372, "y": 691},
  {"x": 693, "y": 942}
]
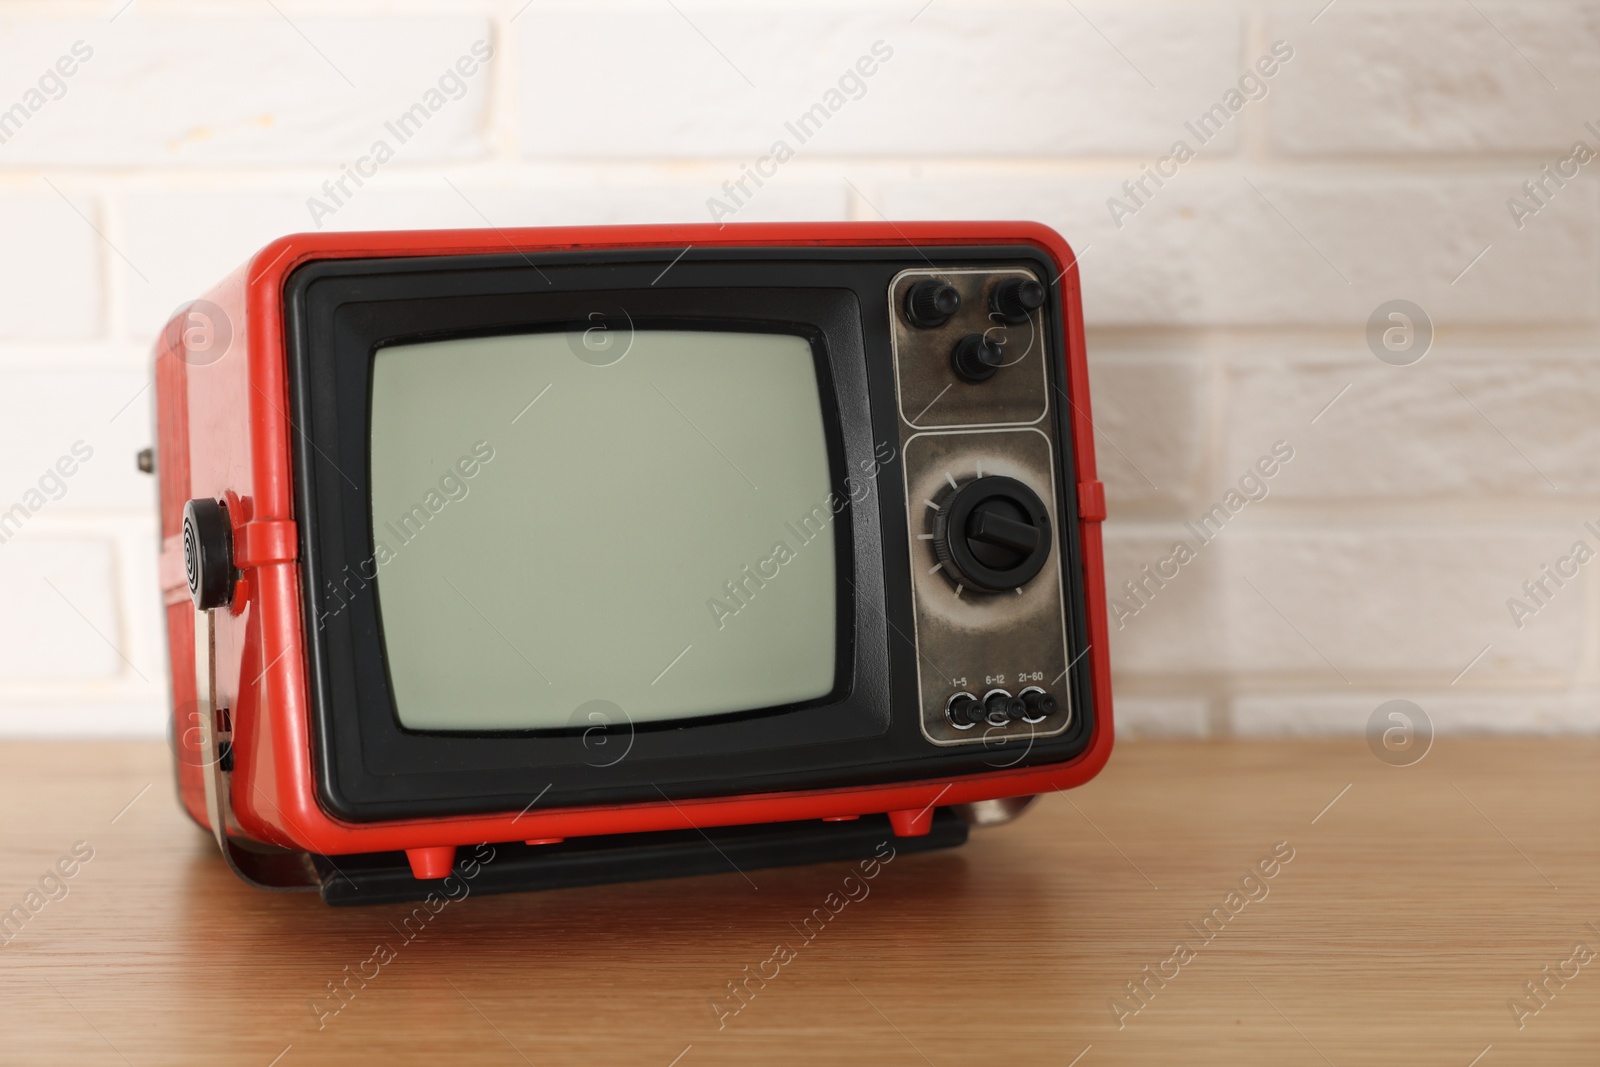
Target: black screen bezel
[{"x": 370, "y": 768}]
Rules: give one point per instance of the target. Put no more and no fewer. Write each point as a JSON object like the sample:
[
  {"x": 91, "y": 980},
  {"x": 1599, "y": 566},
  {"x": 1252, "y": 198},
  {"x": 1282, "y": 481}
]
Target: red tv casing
[{"x": 224, "y": 432}]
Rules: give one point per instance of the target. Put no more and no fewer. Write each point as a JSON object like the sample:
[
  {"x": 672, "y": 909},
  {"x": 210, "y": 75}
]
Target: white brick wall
[
  {"x": 1438, "y": 78},
  {"x": 58, "y": 294},
  {"x": 189, "y": 92},
  {"x": 1227, "y": 308},
  {"x": 680, "y": 100}
]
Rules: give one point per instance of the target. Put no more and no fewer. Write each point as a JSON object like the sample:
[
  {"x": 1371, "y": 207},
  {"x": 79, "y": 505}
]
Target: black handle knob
[
  {"x": 992, "y": 534},
  {"x": 992, "y": 524},
  {"x": 1016, "y": 298},
  {"x": 965, "y": 710},
  {"x": 976, "y": 358},
  {"x": 1002, "y": 707},
  {"x": 208, "y": 553},
  {"x": 1039, "y": 704},
  {"x": 931, "y": 302}
]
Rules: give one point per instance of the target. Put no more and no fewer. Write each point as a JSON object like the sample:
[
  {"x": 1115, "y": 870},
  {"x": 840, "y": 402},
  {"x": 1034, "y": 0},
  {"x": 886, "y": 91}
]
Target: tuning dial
[
  {"x": 976, "y": 358},
  {"x": 931, "y": 303},
  {"x": 1016, "y": 298},
  {"x": 992, "y": 534}
]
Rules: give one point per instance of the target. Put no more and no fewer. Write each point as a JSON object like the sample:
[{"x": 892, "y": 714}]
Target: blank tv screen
[{"x": 571, "y": 533}]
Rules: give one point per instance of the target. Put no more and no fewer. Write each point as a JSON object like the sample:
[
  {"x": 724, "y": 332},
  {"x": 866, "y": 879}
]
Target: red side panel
[
  {"x": 225, "y": 432},
  {"x": 203, "y": 449},
  {"x": 172, "y": 458}
]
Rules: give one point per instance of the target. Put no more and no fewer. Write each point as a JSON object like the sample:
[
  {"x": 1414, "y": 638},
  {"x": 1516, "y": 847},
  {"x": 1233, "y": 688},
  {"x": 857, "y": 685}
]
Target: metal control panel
[{"x": 983, "y": 516}]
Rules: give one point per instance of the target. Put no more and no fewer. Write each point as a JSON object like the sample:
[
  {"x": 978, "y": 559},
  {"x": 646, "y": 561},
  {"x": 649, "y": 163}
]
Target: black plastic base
[{"x": 385, "y": 877}]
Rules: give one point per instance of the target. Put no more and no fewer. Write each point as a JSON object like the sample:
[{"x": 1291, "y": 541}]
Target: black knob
[
  {"x": 976, "y": 358},
  {"x": 931, "y": 303},
  {"x": 992, "y": 534},
  {"x": 1016, "y": 298},
  {"x": 1038, "y": 704},
  {"x": 1001, "y": 707},
  {"x": 208, "y": 553},
  {"x": 965, "y": 710}
]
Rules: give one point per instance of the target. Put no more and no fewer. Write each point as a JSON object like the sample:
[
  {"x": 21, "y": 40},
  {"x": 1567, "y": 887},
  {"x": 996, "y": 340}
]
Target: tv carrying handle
[
  {"x": 264, "y": 866},
  {"x": 208, "y": 565}
]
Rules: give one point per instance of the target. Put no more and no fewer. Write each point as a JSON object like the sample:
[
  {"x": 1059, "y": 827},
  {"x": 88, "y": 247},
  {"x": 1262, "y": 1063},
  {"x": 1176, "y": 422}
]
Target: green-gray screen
[{"x": 564, "y": 533}]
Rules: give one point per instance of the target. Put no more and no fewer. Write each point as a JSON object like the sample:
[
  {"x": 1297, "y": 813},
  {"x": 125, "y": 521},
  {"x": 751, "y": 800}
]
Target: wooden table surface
[{"x": 1415, "y": 908}]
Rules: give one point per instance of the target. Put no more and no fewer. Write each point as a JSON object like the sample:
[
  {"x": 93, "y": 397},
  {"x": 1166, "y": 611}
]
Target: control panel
[{"x": 981, "y": 461}]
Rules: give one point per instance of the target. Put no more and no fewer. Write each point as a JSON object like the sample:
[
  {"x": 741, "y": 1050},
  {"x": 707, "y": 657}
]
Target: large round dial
[{"x": 991, "y": 533}]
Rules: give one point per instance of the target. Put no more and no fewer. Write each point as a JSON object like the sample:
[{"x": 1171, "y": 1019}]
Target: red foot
[
  {"x": 912, "y": 822},
  {"x": 431, "y": 863}
]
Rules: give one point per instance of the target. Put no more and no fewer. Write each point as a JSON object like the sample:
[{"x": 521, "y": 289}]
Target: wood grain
[{"x": 1415, "y": 907}]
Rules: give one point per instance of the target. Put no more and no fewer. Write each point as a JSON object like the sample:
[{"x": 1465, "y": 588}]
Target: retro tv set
[{"x": 557, "y": 556}]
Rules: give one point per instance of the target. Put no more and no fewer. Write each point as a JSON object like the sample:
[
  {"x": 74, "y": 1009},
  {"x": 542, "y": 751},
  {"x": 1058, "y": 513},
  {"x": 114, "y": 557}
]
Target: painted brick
[
  {"x": 138, "y": 547},
  {"x": 45, "y": 412},
  {"x": 1225, "y": 313},
  {"x": 1160, "y": 717},
  {"x": 1339, "y": 605},
  {"x": 1459, "y": 423},
  {"x": 1149, "y": 417},
  {"x": 1316, "y": 714},
  {"x": 1181, "y": 627},
  {"x": 105, "y": 353},
  {"x": 1438, "y": 78},
  {"x": 1009, "y": 80},
  {"x": 1208, "y": 249},
  {"x": 50, "y": 269},
  {"x": 131, "y": 700},
  {"x": 60, "y": 622},
  {"x": 112, "y": 715},
  {"x": 1334, "y": 606},
  {"x": 274, "y": 89}
]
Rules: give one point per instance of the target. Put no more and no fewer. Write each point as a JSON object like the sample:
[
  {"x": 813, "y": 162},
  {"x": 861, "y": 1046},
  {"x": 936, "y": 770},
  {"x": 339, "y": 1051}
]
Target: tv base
[{"x": 386, "y": 877}]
